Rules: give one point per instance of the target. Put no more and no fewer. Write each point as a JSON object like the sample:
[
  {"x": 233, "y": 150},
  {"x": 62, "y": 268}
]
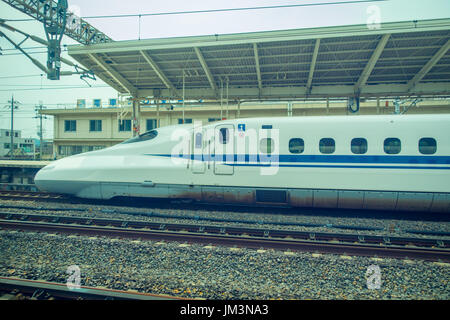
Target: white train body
[{"x": 396, "y": 162}]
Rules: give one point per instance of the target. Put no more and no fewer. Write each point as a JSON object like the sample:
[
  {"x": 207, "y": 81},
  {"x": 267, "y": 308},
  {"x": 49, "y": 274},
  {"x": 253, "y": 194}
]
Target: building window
[
  {"x": 124, "y": 125},
  {"x": 6, "y": 145},
  {"x": 296, "y": 145},
  {"x": 7, "y": 133},
  {"x": 327, "y": 145},
  {"x": 266, "y": 145},
  {"x": 151, "y": 124},
  {"x": 359, "y": 145},
  {"x": 213, "y": 119},
  {"x": 180, "y": 120},
  {"x": 69, "y": 150},
  {"x": 97, "y": 103},
  {"x": 427, "y": 146},
  {"x": 95, "y": 125},
  {"x": 113, "y": 102},
  {"x": 16, "y": 134},
  {"x": 70, "y": 125},
  {"x": 392, "y": 146}
]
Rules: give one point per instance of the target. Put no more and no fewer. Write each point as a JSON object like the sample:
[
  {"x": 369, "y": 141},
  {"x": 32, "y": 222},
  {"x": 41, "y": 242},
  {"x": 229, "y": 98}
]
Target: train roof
[{"x": 343, "y": 118}]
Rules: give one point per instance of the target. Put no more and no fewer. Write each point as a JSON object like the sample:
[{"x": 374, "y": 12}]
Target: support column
[
  {"x": 238, "y": 115},
  {"x": 227, "y": 113},
  {"x": 328, "y": 106},
  {"x": 136, "y": 117},
  {"x": 183, "y": 98},
  {"x": 158, "y": 124},
  {"x": 289, "y": 109},
  {"x": 378, "y": 105}
]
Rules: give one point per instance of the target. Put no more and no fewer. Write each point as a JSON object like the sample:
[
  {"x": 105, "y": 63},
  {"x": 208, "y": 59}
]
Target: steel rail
[
  {"x": 62, "y": 291},
  {"x": 22, "y": 194},
  {"x": 231, "y": 230},
  {"x": 329, "y": 247}
]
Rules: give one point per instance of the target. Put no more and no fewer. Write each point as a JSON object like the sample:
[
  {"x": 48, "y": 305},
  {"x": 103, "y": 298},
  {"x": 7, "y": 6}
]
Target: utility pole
[
  {"x": 38, "y": 109},
  {"x": 13, "y": 105}
]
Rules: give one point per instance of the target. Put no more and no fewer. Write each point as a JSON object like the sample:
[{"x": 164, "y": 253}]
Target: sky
[{"x": 23, "y": 80}]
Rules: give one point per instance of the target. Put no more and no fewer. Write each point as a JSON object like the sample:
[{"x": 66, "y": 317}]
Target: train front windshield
[{"x": 149, "y": 135}]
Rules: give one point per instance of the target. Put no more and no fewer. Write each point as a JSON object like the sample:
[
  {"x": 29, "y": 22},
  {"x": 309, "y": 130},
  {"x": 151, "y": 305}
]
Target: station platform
[
  {"x": 23, "y": 164},
  {"x": 19, "y": 174}
]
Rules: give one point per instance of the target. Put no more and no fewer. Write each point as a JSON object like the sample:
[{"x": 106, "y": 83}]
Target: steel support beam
[
  {"x": 320, "y": 92},
  {"x": 371, "y": 64},
  {"x": 258, "y": 69},
  {"x": 428, "y": 66},
  {"x": 312, "y": 66},
  {"x": 208, "y": 73},
  {"x": 76, "y": 28},
  {"x": 124, "y": 83},
  {"x": 158, "y": 71}
]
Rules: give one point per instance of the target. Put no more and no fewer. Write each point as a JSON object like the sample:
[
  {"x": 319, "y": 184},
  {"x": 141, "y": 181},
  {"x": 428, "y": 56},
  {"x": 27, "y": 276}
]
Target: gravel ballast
[{"x": 196, "y": 271}]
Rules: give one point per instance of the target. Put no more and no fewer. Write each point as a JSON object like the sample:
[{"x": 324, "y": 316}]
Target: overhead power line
[
  {"x": 219, "y": 10},
  {"x": 232, "y": 9},
  {"x": 20, "y": 53},
  {"x": 56, "y": 88},
  {"x": 22, "y": 76}
]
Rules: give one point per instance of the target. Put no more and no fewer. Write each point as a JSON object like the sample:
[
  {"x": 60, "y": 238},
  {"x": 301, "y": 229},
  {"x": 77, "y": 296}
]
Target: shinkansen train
[{"x": 393, "y": 162}]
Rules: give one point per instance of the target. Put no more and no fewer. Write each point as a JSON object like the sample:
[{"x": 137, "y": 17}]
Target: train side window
[
  {"x": 327, "y": 145},
  {"x": 392, "y": 145},
  {"x": 198, "y": 140},
  {"x": 427, "y": 146},
  {"x": 266, "y": 145},
  {"x": 359, "y": 145},
  {"x": 296, "y": 145},
  {"x": 223, "y": 135}
]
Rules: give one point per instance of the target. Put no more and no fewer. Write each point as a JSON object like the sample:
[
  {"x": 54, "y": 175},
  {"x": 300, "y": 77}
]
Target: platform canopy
[{"x": 397, "y": 59}]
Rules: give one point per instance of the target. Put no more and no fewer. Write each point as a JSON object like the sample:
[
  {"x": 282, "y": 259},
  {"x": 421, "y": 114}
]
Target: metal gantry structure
[
  {"x": 46, "y": 11},
  {"x": 54, "y": 31},
  {"x": 57, "y": 21}
]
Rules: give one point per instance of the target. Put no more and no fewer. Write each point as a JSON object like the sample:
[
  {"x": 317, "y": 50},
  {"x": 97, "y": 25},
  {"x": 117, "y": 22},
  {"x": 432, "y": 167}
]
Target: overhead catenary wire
[
  {"x": 287, "y": 6},
  {"x": 232, "y": 9},
  {"x": 56, "y": 88},
  {"x": 21, "y": 76}
]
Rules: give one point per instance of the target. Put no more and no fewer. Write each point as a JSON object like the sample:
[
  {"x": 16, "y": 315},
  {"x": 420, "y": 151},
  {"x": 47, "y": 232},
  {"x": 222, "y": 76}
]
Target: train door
[
  {"x": 224, "y": 149},
  {"x": 199, "y": 152}
]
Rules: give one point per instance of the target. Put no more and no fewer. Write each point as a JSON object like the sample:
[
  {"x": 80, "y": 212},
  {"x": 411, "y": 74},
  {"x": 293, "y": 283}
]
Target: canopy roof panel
[{"x": 401, "y": 58}]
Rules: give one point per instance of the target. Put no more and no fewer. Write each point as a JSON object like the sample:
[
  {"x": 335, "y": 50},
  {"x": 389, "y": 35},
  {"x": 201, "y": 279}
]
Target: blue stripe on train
[
  {"x": 354, "y": 159},
  {"x": 261, "y": 164}
]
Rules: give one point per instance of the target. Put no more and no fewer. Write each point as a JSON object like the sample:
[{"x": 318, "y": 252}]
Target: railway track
[
  {"x": 31, "y": 195},
  {"x": 335, "y": 243},
  {"x": 22, "y": 289}
]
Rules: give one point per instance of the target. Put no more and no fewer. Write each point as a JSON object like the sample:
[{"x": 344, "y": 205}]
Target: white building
[{"x": 24, "y": 146}]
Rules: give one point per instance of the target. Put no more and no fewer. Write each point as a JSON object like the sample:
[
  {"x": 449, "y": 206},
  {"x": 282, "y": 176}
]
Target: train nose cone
[{"x": 41, "y": 179}]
